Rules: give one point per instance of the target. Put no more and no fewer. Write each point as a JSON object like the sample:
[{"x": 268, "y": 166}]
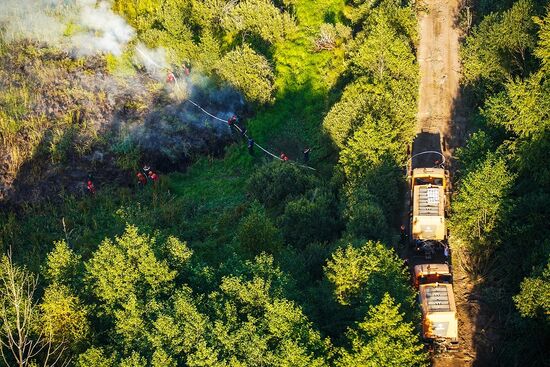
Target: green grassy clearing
[{"x": 304, "y": 80}]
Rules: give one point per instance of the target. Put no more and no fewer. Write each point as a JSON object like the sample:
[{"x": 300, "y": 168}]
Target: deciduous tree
[
  {"x": 128, "y": 266},
  {"x": 248, "y": 72},
  {"x": 274, "y": 183},
  {"x": 257, "y": 233},
  {"x": 533, "y": 299},
  {"x": 362, "y": 275},
  {"x": 23, "y": 340},
  {"x": 309, "y": 220}
]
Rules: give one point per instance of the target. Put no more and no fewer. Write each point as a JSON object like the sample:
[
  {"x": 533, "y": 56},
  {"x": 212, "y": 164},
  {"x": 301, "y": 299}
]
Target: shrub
[
  {"x": 248, "y": 72},
  {"x": 316, "y": 220},
  {"x": 256, "y": 232},
  {"x": 362, "y": 275},
  {"x": 367, "y": 220},
  {"x": 276, "y": 182}
]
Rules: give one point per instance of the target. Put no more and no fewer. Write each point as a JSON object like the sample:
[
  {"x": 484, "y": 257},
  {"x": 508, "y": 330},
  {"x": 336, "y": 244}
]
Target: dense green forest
[
  {"x": 239, "y": 260},
  {"x": 500, "y": 214}
]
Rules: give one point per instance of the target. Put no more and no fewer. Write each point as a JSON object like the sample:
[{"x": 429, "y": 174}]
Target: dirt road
[
  {"x": 439, "y": 65},
  {"x": 438, "y": 58}
]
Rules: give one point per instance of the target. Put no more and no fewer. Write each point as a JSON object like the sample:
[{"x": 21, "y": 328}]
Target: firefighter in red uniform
[
  {"x": 232, "y": 120},
  {"x": 142, "y": 180},
  {"x": 283, "y": 157},
  {"x": 153, "y": 176},
  {"x": 170, "y": 78},
  {"x": 90, "y": 186}
]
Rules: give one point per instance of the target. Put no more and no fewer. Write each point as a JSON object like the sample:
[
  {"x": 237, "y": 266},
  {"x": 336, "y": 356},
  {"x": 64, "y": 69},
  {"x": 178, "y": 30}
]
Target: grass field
[{"x": 304, "y": 81}]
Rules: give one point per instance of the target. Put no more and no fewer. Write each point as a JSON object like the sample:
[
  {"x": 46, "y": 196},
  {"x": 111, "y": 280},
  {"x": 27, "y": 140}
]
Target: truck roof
[
  {"x": 428, "y": 222},
  {"x": 440, "y": 172},
  {"x": 437, "y": 297},
  {"x": 426, "y": 269},
  {"x": 429, "y": 199},
  {"x": 438, "y": 311}
]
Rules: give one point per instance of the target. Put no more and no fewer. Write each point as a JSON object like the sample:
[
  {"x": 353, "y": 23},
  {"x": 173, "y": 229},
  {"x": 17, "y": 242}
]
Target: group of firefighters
[
  {"x": 185, "y": 71},
  {"x": 143, "y": 178},
  {"x": 146, "y": 175},
  {"x": 232, "y": 121},
  {"x": 305, "y": 152}
]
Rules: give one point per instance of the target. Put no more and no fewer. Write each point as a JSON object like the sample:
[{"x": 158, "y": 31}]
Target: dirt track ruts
[{"x": 438, "y": 58}]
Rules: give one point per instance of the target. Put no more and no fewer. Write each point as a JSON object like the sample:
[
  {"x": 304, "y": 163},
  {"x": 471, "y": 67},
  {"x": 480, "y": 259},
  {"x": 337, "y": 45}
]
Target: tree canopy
[
  {"x": 231, "y": 258},
  {"x": 499, "y": 212},
  {"x": 383, "y": 339}
]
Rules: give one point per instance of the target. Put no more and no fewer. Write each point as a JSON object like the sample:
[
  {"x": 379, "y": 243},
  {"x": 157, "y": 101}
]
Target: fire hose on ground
[{"x": 222, "y": 120}]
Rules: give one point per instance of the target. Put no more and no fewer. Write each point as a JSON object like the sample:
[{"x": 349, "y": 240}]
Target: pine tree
[{"x": 383, "y": 338}]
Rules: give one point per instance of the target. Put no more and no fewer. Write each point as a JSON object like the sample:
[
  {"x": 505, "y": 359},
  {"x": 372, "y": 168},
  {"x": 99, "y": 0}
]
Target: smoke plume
[
  {"x": 170, "y": 135},
  {"x": 171, "y": 132},
  {"x": 104, "y": 31},
  {"x": 84, "y": 26},
  {"x": 154, "y": 61}
]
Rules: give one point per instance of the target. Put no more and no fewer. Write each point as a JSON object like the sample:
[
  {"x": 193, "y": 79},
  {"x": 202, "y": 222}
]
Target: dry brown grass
[{"x": 52, "y": 105}]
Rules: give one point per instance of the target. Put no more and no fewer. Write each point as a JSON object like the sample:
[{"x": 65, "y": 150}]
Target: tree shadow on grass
[{"x": 293, "y": 123}]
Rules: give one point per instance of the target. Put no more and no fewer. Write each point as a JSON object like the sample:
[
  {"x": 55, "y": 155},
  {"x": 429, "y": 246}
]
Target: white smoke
[
  {"x": 156, "y": 63},
  {"x": 85, "y": 26},
  {"x": 34, "y": 19},
  {"x": 104, "y": 31},
  {"x": 153, "y": 60}
]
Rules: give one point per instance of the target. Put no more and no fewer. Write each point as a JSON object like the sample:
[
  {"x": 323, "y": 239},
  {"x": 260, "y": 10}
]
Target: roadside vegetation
[
  {"x": 239, "y": 259},
  {"x": 500, "y": 214}
]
